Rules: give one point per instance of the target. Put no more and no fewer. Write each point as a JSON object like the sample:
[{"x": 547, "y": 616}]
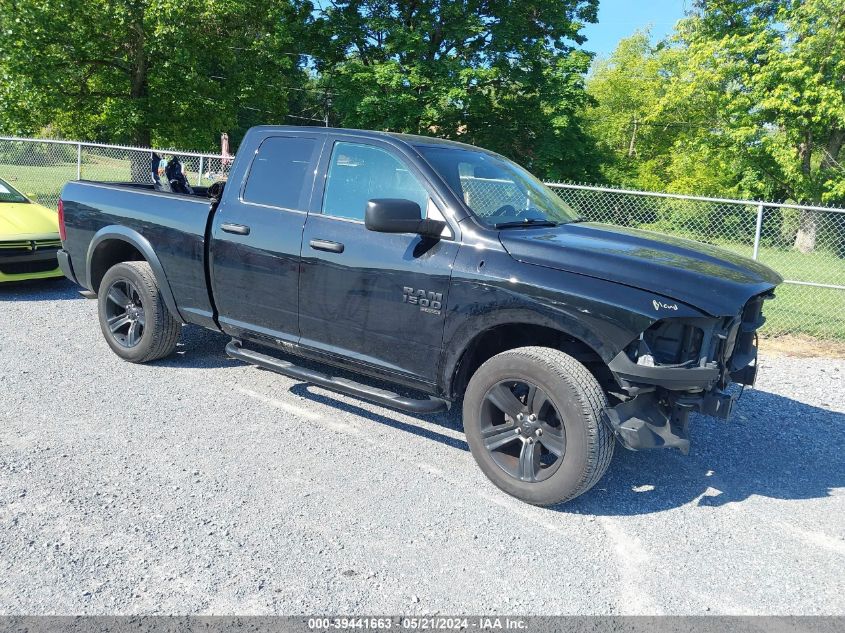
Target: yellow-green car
[{"x": 29, "y": 237}]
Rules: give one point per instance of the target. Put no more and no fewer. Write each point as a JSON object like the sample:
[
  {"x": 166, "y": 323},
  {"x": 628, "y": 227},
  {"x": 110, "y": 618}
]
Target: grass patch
[
  {"x": 801, "y": 346},
  {"x": 816, "y": 312},
  {"x": 820, "y": 266},
  {"x": 44, "y": 184}
]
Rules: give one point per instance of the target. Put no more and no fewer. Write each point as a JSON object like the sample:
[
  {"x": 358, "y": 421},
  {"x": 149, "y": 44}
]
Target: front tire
[
  {"x": 532, "y": 419},
  {"x": 133, "y": 316}
]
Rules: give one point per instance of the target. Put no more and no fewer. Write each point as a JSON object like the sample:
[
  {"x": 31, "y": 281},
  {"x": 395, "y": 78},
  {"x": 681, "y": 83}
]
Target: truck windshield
[
  {"x": 499, "y": 192},
  {"x": 8, "y": 194}
]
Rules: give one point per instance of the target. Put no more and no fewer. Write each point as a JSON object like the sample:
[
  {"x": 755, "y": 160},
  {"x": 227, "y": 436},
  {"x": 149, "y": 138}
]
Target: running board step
[{"x": 343, "y": 385}]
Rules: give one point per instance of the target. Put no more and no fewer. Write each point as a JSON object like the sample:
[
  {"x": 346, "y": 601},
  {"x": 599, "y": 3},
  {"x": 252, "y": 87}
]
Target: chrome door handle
[
  {"x": 326, "y": 245},
  {"x": 237, "y": 229}
]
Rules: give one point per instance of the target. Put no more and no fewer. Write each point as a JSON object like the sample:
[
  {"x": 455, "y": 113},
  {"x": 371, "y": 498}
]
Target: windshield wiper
[{"x": 524, "y": 222}]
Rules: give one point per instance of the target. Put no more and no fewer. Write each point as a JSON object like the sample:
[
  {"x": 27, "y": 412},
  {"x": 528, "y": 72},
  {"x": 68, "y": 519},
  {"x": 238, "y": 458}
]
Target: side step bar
[{"x": 349, "y": 387}]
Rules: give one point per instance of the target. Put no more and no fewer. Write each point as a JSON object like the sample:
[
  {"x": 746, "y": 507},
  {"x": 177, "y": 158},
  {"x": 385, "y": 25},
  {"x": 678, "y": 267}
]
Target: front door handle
[
  {"x": 237, "y": 229},
  {"x": 326, "y": 245}
]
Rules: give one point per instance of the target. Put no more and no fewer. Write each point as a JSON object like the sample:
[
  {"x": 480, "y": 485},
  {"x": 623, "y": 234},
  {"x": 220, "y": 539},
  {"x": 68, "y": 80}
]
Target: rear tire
[
  {"x": 135, "y": 321},
  {"x": 532, "y": 419}
]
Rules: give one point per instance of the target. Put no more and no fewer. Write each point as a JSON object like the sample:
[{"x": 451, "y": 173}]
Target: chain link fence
[
  {"x": 804, "y": 244},
  {"x": 39, "y": 168}
]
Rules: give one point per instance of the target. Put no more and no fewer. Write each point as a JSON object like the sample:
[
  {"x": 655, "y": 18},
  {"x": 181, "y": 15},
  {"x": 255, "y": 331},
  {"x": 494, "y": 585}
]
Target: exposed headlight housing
[{"x": 671, "y": 343}]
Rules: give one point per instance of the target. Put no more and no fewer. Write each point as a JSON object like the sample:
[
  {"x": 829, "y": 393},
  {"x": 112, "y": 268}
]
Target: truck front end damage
[{"x": 679, "y": 366}]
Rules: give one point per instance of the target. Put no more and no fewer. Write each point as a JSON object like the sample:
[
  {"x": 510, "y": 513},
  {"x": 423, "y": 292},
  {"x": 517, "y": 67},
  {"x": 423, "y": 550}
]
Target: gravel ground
[{"x": 202, "y": 485}]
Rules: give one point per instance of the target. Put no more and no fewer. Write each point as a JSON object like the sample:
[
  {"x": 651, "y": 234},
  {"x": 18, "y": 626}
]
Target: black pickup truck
[{"x": 443, "y": 269}]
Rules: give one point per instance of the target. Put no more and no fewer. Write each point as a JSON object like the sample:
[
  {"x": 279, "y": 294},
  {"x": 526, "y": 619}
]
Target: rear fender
[{"x": 132, "y": 237}]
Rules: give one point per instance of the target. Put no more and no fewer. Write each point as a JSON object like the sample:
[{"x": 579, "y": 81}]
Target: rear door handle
[
  {"x": 238, "y": 229},
  {"x": 326, "y": 245}
]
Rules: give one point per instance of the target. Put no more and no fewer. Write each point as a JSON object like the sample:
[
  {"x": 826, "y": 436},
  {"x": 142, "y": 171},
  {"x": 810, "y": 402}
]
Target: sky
[{"x": 621, "y": 18}]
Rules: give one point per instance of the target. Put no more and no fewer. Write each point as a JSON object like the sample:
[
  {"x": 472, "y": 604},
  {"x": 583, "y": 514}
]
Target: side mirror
[{"x": 395, "y": 215}]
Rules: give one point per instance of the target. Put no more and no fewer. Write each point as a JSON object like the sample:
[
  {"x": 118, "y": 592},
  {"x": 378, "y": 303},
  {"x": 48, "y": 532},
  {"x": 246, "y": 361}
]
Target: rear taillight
[{"x": 62, "y": 231}]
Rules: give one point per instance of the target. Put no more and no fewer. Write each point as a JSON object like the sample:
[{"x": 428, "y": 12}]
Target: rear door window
[{"x": 281, "y": 173}]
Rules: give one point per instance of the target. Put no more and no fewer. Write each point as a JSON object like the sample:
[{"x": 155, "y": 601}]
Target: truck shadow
[
  {"x": 57, "y": 289},
  {"x": 305, "y": 390},
  {"x": 199, "y": 348},
  {"x": 775, "y": 447}
]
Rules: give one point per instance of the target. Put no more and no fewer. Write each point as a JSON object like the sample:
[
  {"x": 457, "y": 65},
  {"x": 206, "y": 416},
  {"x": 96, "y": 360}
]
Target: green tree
[
  {"x": 149, "y": 71},
  {"x": 626, "y": 89},
  {"x": 504, "y": 75},
  {"x": 769, "y": 80},
  {"x": 650, "y": 138},
  {"x": 746, "y": 99}
]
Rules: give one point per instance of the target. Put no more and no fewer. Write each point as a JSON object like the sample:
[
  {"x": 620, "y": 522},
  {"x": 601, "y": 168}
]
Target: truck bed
[{"x": 172, "y": 225}]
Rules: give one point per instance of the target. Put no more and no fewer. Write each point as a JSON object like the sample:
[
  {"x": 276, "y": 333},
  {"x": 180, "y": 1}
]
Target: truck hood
[
  {"x": 711, "y": 279},
  {"x": 25, "y": 219}
]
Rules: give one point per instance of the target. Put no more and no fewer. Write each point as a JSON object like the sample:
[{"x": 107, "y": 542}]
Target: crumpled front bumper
[
  {"x": 654, "y": 420},
  {"x": 686, "y": 378},
  {"x": 657, "y": 400}
]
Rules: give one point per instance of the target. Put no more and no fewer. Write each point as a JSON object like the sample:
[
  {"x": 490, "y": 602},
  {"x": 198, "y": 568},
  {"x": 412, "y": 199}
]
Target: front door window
[{"x": 358, "y": 173}]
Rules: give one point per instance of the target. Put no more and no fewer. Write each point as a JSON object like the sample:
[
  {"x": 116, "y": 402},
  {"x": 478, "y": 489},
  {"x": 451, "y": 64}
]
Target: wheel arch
[
  {"x": 115, "y": 244},
  {"x": 477, "y": 342}
]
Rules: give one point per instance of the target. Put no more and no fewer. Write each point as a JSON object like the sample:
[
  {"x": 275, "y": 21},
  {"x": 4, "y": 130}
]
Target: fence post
[
  {"x": 199, "y": 172},
  {"x": 758, "y": 230},
  {"x": 79, "y": 161}
]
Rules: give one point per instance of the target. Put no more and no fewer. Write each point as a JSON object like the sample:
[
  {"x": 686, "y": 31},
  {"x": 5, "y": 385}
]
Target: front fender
[
  {"x": 135, "y": 239},
  {"x": 490, "y": 289},
  {"x": 476, "y": 325}
]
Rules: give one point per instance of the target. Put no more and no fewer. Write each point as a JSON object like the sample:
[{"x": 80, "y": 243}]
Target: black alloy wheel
[
  {"x": 533, "y": 422},
  {"x": 134, "y": 318},
  {"x": 125, "y": 313},
  {"x": 522, "y": 430}
]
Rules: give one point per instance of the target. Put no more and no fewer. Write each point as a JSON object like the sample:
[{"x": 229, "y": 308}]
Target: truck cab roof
[{"x": 409, "y": 139}]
